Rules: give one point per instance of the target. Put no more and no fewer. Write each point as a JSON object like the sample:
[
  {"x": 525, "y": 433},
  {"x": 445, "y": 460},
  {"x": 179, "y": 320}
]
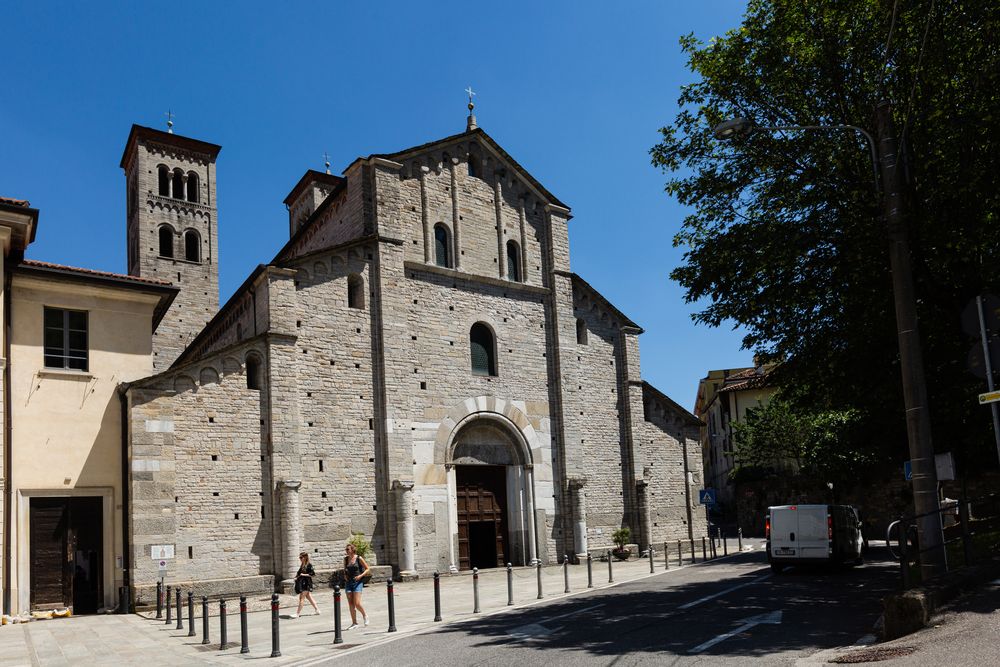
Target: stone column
[
  {"x": 184, "y": 185},
  {"x": 291, "y": 531},
  {"x": 404, "y": 526},
  {"x": 644, "y": 529},
  {"x": 579, "y": 516},
  {"x": 530, "y": 510}
]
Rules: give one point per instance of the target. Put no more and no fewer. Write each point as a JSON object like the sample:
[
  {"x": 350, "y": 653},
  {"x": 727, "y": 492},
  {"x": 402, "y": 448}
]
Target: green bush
[
  {"x": 621, "y": 536},
  {"x": 361, "y": 544}
]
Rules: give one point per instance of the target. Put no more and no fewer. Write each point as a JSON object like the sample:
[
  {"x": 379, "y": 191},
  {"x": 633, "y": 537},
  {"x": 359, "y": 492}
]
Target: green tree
[{"x": 784, "y": 234}]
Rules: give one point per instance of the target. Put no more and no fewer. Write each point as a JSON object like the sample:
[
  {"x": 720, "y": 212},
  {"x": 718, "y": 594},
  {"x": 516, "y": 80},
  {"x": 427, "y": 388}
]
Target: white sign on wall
[{"x": 161, "y": 551}]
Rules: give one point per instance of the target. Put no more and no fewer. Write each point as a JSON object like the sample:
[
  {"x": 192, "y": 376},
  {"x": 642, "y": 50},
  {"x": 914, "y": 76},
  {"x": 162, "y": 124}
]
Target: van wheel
[{"x": 777, "y": 568}]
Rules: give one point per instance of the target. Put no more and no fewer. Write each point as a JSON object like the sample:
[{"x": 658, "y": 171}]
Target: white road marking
[
  {"x": 697, "y": 602},
  {"x": 540, "y": 630},
  {"x": 773, "y": 618}
]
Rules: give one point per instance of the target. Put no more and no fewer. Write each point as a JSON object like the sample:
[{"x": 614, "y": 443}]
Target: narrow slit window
[
  {"x": 355, "y": 291},
  {"x": 581, "y": 331},
  {"x": 513, "y": 261},
  {"x": 164, "y": 180},
  {"x": 253, "y": 373},
  {"x": 178, "y": 184},
  {"x": 442, "y": 246},
  {"x": 192, "y": 186}
]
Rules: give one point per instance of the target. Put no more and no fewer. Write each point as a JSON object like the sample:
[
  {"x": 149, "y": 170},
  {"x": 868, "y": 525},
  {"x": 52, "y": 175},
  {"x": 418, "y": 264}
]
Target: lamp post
[{"x": 884, "y": 156}]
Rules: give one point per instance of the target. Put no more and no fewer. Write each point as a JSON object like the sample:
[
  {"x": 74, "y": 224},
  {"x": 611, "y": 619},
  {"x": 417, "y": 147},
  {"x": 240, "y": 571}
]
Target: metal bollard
[
  {"x": 566, "y": 572},
  {"x": 475, "y": 590},
  {"x": 437, "y": 597},
  {"x": 739, "y": 539},
  {"x": 191, "y": 632},
  {"x": 652, "y": 554},
  {"x": 392, "y": 605},
  {"x": 904, "y": 558},
  {"x": 538, "y": 569},
  {"x": 169, "y": 620},
  {"x": 725, "y": 545},
  {"x": 693, "y": 561},
  {"x": 666, "y": 557},
  {"x": 244, "y": 639},
  {"x": 338, "y": 635},
  {"x": 590, "y": 571},
  {"x": 711, "y": 550},
  {"x": 180, "y": 610},
  {"x": 680, "y": 558},
  {"x": 223, "y": 635},
  {"x": 704, "y": 552},
  {"x": 611, "y": 576},
  {"x": 159, "y": 599},
  {"x": 510, "y": 585},
  {"x": 204, "y": 619},
  {"x": 275, "y": 636}
]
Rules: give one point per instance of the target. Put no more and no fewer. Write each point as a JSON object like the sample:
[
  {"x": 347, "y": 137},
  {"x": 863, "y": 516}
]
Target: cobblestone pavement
[{"x": 133, "y": 639}]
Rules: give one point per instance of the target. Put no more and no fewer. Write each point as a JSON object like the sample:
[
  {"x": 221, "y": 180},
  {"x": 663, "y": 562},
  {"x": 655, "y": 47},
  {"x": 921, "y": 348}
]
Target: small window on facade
[
  {"x": 581, "y": 331},
  {"x": 513, "y": 261},
  {"x": 442, "y": 246},
  {"x": 178, "y": 184},
  {"x": 253, "y": 373},
  {"x": 164, "y": 179},
  {"x": 355, "y": 291},
  {"x": 192, "y": 246},
  {"x": 192, "y": 187},
  {"x": 482, "y": 350},
  {"x": 471, "y": 164},
  {"x": 65, "y": 344},
  {"x": 166, "y": 241}
]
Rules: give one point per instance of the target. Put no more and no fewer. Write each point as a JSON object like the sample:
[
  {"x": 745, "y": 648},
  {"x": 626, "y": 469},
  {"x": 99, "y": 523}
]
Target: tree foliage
[{"x": 784, "y": 234}]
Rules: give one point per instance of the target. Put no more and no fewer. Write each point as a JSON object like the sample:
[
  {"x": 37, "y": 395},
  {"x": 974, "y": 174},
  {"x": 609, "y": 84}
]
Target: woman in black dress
[{"x": 304, "y": 583}]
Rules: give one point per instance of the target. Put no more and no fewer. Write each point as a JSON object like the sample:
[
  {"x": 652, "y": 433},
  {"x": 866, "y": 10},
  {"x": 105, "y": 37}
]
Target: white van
[{"x": 801, "y": 534}]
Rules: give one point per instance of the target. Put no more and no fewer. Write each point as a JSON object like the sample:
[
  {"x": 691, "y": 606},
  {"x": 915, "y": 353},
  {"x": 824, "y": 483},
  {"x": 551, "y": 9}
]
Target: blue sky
[{"x": 575, "y": 91}]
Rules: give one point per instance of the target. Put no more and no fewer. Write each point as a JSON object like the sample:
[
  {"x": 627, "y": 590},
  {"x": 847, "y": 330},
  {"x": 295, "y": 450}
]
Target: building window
[
  {"x": 166, "y": 241},
  {"x": 581, "y": 331},
  {"x": 178, "y": 184},
  {"x": 253, "y": 373},
  {"x": 442, "y": 246},
  {"x": 482, "y": 350},
  {"x": 355, "y": 291},
  {"x": 192, "y": 187},
  {"x": 164, "y": 179},
  {"x": 192, "y": 246},
  {"x": 513, "y": 261},
  {"x": 65, "y": 339}
]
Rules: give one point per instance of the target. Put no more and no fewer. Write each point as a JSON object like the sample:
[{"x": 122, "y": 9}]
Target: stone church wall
[
  {"x": 199, "y": 475},
  {"x": 662, "y": 455}
]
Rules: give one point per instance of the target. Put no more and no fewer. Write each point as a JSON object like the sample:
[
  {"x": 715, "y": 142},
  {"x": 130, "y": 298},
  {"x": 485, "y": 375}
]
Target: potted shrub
[{"x": 621, "y": 537}]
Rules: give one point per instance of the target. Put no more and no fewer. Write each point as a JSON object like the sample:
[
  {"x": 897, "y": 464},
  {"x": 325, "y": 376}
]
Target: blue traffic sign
[
  {"x": 907, "y": 471},
  {"x": 706, "y": 496}
]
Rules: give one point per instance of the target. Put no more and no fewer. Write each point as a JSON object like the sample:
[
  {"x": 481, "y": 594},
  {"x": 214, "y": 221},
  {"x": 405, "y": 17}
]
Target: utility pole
[{"x": 918, "y": 420}]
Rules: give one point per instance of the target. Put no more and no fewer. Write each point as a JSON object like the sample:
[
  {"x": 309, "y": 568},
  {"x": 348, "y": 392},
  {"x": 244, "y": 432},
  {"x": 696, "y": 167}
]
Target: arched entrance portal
[{"x": 492, "y": 494}]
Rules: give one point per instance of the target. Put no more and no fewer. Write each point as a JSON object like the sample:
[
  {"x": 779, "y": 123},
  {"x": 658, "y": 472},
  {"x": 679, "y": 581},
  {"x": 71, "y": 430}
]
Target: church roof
[
  {"x": 622, "y": 318},
  {"x": 489, "y": 141},
  {"x": 310, "y": 177},
  {"x": 653, "y": 393},
  {"x": 139, "y": 132}
]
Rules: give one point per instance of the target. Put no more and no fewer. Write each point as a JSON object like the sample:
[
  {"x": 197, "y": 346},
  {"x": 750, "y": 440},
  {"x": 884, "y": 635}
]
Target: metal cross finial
[
  {"x": 326, "y": 161},
  {"x": 170, "y": 122},
  {"x": 471, "y": 93}
]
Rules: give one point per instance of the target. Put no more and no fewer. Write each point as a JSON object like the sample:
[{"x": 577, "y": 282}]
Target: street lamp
[{"x": 918, "y": 421}]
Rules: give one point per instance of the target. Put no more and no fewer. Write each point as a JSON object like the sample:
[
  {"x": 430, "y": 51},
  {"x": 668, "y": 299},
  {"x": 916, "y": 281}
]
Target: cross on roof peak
[{"x": 170, "y": 121}]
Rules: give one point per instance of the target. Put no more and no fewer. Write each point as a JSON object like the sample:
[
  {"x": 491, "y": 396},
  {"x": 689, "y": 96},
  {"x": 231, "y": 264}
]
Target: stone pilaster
[
  {"x": 291, "y": 527},
  {"x": 579, "y": 505}
]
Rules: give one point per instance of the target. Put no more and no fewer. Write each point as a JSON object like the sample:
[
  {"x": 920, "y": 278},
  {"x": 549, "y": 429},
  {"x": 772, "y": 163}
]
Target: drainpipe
[
  {"x": 126, "y": 510},
  {"x": 7, "y": 431}
]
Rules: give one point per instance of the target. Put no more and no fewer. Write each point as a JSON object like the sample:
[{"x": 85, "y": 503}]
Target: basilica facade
[{"x": 418, "y": 364}]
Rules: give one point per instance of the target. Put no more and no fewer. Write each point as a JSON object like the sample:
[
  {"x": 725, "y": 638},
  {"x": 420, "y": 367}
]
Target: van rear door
[
  {"x": 784, "y": 529},
  {"x": 814, "y": 532}
]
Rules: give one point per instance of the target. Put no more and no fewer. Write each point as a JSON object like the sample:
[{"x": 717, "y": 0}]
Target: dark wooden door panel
[
  {"x": 481, "y": 494},
  {"x": 50, "y": 587}
]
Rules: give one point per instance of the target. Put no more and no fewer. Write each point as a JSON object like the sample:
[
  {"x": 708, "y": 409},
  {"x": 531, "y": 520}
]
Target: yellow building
[{"x": 70, "y": 336}]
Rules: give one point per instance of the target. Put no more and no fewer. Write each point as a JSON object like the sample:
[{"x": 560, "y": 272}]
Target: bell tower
[{"x": 172, "y": 229}]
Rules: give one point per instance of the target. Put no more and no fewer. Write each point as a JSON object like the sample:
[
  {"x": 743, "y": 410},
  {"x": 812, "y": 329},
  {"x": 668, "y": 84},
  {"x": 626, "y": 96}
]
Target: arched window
[
  {"x": 178, "y": 184},
  {"x": 192, "y": 187},
  {"x": 166, "y": 241},
  {"x": 482, "y": 350},
  {"x": 513, "y": 261},
  {"x": 581, "y": 331},
  {"x": 442, "y": 246},
  {"x": 471, "y": 164},
  {"x": 192, "y": 246},
  {"x": 253, "y": 372},
  {"x": 164, "y": 178},
  {"x": 355, "y": 291}
]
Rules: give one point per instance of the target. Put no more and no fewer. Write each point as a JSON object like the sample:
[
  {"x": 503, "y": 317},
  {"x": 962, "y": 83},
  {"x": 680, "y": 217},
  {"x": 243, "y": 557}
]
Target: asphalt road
[{"x": 729, "y": 612}]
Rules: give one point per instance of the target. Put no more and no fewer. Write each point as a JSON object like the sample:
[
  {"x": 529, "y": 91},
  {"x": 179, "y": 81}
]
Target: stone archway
[{"x": 486, "y": 445}]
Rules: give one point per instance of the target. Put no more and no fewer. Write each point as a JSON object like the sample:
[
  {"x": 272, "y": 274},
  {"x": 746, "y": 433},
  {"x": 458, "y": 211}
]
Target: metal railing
[{"x": 971, "y": 531}]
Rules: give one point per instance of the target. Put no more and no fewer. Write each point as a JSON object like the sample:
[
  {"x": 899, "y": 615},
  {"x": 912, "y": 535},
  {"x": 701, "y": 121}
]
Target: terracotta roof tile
[
  {"x": 15, "y": 202},
  {"x": 92, "y": 272}
]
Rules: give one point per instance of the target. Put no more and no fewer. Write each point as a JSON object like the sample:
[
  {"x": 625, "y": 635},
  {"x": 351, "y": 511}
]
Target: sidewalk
[{"x": 134, "y": 639}]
